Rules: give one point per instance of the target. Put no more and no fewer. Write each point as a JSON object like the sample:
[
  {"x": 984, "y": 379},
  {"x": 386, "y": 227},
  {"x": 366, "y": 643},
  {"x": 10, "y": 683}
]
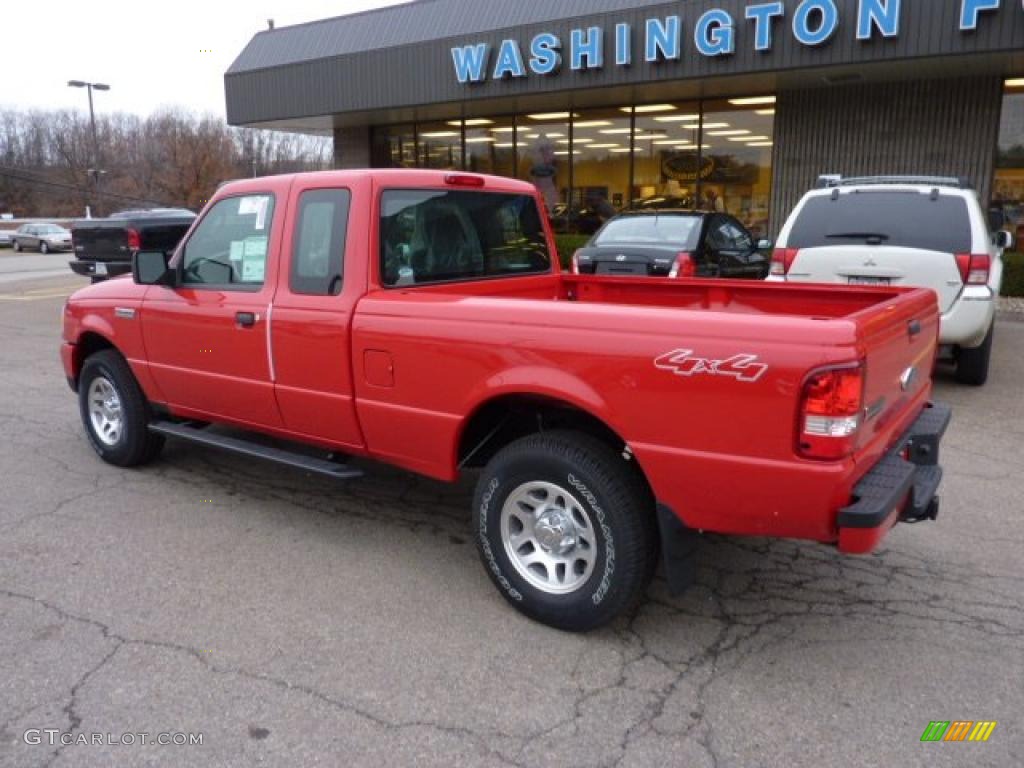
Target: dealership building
[{"x": 737, "y": 105}]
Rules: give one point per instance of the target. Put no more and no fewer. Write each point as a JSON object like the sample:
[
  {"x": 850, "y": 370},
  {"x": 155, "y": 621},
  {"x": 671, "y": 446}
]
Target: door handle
[{"x": 245, "y": 319}]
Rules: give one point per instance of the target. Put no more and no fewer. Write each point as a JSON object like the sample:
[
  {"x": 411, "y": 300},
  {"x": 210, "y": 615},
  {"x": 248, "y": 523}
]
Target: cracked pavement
[{"x": 295, "y": 621}]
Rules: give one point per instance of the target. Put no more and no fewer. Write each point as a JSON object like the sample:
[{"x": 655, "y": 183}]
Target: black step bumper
[{"x": 906, "y": 479}]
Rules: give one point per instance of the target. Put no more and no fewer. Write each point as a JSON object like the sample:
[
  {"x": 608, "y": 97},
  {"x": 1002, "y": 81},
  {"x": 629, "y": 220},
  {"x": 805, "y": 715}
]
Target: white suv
[{"x": 897, "y": 230}]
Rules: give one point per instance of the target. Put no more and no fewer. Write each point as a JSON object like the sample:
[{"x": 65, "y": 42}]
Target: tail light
[
  {"x": 134, "y": 241},
  {"x": 974, "y": 267},
  {"x": 782, "y": 260},
  {"x": 830, "y": 412},
  {"x": 683, "y": 266},
  {"x": 576, "y": 263}
]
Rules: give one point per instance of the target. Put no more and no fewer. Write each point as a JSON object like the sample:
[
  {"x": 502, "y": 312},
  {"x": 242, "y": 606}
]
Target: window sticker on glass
[
  {"x": 255, "y": 246},
  {"x": 261, "y": 214},
  {"x": 254, "y": 259},
  {"x": 254, "y": 205},
  {"x": 250, "y": 205}
]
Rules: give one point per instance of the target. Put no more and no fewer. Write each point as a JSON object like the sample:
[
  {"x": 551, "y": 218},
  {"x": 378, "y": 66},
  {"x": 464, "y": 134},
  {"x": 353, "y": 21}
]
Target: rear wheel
[
  {"x": 17, "y": 247},
  {"x": 43, "y": 247},
  {"x": 565, "y": 529},
  {"x": 972, "y": 364},
  {"x": 114, "y": 411}
]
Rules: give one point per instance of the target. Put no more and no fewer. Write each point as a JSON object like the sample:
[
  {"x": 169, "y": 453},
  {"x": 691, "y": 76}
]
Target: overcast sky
[{"x": 151, "y": 54}]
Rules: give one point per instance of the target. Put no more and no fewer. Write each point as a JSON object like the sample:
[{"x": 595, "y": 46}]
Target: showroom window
[
  {"x": 394, "y": 146},
  {"x": 736, "y": 159},
  {"x": 601, "y": 169},
  {"x": 490, "y": 145},
  {"x": 592, "y": 163},
  {"x": 545, "y": 157},
  {"x": 439, "y": 145},
  {"x": 666, "y": 155},
  {"x": 1008, "y": 187}
]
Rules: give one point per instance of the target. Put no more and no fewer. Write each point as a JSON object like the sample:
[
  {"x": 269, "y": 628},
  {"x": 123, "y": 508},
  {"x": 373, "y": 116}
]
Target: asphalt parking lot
[{"x": 293, "y": 621}]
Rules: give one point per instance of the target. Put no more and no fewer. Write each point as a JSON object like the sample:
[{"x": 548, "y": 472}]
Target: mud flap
[{"x": 678, "y": 550}]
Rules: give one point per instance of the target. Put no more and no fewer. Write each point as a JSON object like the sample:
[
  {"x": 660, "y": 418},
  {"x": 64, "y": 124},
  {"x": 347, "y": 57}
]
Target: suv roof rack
[{"x": 832, "y": 180}]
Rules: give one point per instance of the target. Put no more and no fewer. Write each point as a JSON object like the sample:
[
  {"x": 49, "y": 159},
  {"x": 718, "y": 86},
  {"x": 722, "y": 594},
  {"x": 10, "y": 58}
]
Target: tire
[
  {"x": 606, "y": 555},
  {"x": 43, "y": 247},
  {"x": 106, "y": 375},
  {"x": 16, "y": 247},
  {"x": 972, "y": 364}
]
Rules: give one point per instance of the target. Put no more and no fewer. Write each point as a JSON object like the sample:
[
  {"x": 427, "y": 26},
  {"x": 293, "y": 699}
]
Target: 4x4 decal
[{"x": 742, "y": 367}]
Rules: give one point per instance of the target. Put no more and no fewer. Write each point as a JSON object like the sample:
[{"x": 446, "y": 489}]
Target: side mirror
[
  {"x": 150, "y": 268},
  {"x": 764, "y": 245},
  {"x": 1003, "y": 239},
  {"x": 996, "y": 219}
]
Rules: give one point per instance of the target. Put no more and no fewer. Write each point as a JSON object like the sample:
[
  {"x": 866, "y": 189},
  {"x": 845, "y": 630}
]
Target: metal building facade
[{"x": 924, "y": 100}]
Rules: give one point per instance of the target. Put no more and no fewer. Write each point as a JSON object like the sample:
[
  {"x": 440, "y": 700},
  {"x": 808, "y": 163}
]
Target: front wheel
[
  {"x": 43, "y": 247},
  {"x": 115, "y": 412},
  {"x": 17, "y": 247},
  {"x": 565, "y": 529}
]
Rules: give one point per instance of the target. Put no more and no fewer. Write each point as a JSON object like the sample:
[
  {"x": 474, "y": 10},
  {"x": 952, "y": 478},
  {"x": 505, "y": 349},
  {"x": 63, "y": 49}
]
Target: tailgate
[
  {"x": 885, "y": 265},
  {"x": 899, "y": 341},
  {"x": 163, "y": 237},
  {"x": 100, "y": 243}
]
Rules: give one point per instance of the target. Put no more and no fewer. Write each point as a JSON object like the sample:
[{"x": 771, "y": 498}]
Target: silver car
[
  {"x": 6, "y": 238},
  {"x": 43, "y": 237}
]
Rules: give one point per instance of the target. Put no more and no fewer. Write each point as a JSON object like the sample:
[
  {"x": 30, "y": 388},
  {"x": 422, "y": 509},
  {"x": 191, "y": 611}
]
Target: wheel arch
[
  {"x": 89, "y": 343},
  {"x": 506, "y": 417}
]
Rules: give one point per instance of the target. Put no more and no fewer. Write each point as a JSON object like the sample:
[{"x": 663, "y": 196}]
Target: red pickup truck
[{"x": 420, "y": 318}]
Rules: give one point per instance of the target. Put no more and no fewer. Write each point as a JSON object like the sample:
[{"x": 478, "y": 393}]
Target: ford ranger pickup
[{"x": 419, "y": 318}]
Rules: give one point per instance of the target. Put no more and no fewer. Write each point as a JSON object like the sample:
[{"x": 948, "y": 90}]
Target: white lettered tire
[{"x": 566, "y": 529}]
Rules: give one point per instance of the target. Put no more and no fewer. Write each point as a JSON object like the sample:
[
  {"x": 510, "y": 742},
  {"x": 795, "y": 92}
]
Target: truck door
[
  {"x": 312, "y": 314},
  {"x": 207, "y": 338}
]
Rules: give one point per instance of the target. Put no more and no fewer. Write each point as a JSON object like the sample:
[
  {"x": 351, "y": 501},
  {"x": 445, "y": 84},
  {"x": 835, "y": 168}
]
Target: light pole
[{"x": 95, "y": 172}]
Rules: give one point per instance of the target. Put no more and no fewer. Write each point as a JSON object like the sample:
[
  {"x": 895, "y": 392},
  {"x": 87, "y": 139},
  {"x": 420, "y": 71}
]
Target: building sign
[{"x": 811, "y": 23}]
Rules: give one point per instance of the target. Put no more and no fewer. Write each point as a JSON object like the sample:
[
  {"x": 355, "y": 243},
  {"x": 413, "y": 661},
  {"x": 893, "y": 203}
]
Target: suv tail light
[
  {"x": 974, "y": 268},
  {"x": 782, "y": 260},
  {"x": 683, "y": 266},
  {"x": 134, "y": 241},
  {"x": 830, "y": 411}
]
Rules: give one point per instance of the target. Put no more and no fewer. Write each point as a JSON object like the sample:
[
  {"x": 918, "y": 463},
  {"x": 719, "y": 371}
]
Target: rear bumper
[
  {"x": 88, "y": 268},
  {"x": 968, "y": 320},
  {"x": 902, "y": 486}
]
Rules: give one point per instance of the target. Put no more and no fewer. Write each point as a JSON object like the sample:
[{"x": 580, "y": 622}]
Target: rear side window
[
  {"x": 904, "y": 219},
  {"x": 432, "y": 236},
  {"x": 655, "y": 229},
  {"x": 318, "y": 255}
]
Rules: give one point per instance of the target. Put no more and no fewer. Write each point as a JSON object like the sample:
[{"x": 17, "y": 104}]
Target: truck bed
[{"x": 726, "y": 296}]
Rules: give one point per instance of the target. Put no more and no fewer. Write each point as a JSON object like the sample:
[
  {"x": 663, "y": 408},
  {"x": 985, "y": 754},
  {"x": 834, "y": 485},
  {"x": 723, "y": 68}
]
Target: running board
[{"x": 255, "y": 450}]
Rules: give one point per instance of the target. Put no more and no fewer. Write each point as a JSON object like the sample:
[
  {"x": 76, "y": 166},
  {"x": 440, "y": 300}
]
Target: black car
[{"x": 674, "y": 243}]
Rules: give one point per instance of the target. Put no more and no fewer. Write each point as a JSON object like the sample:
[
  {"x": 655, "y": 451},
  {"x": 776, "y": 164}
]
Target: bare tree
[{"x": 171, "y": 158}]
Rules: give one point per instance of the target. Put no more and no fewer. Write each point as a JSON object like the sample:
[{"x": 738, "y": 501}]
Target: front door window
[{"x": 229, "y": 246}]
